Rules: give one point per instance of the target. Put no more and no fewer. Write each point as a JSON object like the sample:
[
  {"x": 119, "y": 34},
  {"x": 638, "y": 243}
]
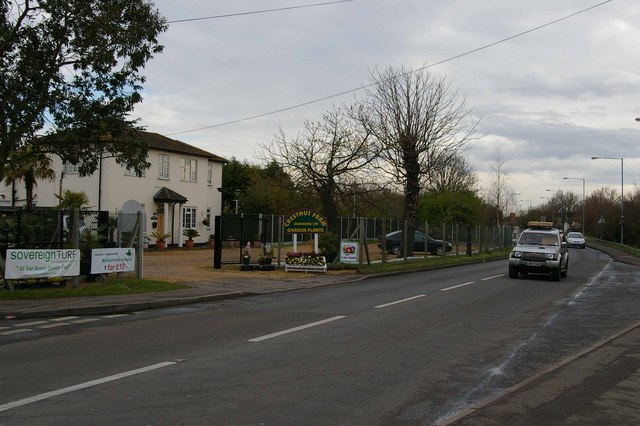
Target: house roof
[
  {"x": 163, "y": 143},
  {"x": 166, "y": 195}
]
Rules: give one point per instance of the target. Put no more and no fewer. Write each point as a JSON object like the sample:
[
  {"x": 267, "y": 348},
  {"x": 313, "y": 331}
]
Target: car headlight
[
  {"x": 551, "y": 256},
  {"x": 517, "y": 254}
]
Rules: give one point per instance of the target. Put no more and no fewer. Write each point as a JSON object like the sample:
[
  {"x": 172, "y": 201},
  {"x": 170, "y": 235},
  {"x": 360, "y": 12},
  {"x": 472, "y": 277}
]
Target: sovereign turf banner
[{"x": 41, "y": 263}]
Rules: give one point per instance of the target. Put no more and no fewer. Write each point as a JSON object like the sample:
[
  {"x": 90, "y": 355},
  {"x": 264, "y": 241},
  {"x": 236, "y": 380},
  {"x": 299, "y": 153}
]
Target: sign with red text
[
  {"x": 348, "y": 252},
  {"x": 40, "y": 263},
  {"x": 104, "y": 261}
]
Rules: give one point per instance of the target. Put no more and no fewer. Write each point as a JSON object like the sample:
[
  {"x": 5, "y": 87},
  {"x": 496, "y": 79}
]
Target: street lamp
[
  {"x": 583, "y": 181},
  {"x": 237, "y": 194},
  {"x": 621, "y": 191}
]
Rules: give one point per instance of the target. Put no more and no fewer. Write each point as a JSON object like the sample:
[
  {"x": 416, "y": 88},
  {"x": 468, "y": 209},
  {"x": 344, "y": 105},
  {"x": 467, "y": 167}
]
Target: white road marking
[
  {"x": 19, "y": 330},
  {"x": 63, "y": 318},
  {"x": 82, "y": 321},
  {"x": 29, "y": 324},
  {"x": 457, "y": 286},
  {"x": 400, "y": 301},
  {"x": 58, "y": 324},
  {"x": 58, "y": 392},
  {"x": 115, "y": 315},
  {"x": 292, "y": 330},
  {"x": 5, "y": 328},
  {"x": 493, "y": 277}
]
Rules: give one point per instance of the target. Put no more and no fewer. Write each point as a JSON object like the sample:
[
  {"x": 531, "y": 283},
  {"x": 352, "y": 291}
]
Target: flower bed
[{"x": 305, "y": 261}]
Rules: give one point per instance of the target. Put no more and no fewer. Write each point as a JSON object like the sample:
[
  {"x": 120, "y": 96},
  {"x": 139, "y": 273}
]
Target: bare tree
[
  {"x": 327, "y": 156},
  {"x": 420, "y": 122},
  {"x": 457, "y": 175},
  {"x": 500, "y": 195}
]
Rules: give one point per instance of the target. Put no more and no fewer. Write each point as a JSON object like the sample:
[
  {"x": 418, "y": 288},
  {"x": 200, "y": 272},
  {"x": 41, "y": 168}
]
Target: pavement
[{"x": 599, "y": 385}]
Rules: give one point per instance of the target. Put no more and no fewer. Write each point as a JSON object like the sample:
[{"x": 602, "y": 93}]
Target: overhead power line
[
  {"x": 442, "y": 61},
  {"x": 229, "y": 15}
]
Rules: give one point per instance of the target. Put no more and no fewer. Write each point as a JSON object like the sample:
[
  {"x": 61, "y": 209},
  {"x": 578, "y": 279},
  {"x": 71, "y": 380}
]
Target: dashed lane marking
[
  {"x": 457, "y": 286},
  {"x": 294, "y": 329},
  {"x": 47, "y": 395},
  {"x": 400, "y": 301},
  {"x": 492, "y": 277}
]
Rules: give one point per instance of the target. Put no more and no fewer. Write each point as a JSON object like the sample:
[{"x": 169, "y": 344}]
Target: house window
[
  {"x": 71, "y": 169},
  {"x": 209, "y": 174},
  {"x": 163, "y": 166},
  {"x": 189, "y": 170},
  {"x": 188, "y": 217}
]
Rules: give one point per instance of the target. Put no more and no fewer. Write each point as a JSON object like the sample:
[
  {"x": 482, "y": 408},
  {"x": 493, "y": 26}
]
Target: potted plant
[
  {"x": 160, "y": 239},
  {"x": 267, "y": 257},
  {"x": 246, "y": 255},
  {"x": 212, "y": 238},
  {"x": 190, "y": 233}
]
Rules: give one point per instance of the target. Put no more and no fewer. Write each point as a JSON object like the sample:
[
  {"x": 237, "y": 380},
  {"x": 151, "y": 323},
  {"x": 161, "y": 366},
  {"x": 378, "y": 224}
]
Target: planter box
[{"x": 305, "y": 268}]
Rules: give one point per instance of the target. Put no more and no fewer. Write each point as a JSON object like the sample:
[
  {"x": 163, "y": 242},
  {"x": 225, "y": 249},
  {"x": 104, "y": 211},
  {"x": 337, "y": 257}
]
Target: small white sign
[
  {"x": 41, "y": 263},
  {"x": 104, "y": 261},
  {"x": 348, "y": 252}
]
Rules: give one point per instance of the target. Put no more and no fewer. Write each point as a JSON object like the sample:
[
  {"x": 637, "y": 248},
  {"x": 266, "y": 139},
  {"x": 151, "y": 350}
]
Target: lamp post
[
  {"x": 237, "y": 194},
  {"x": 584, "y": 225},
  {"x": 621, "y": 191}
]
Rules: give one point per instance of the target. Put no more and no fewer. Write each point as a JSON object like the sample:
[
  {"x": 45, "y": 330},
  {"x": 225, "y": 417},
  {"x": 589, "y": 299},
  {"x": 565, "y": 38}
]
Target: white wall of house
[{"x": 116, "y": 186}]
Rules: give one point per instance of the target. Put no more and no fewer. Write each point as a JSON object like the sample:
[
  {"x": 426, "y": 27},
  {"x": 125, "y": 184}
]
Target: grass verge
[
  {"x": 112, "y": 286},
  {"x": 421, "y": 264}
]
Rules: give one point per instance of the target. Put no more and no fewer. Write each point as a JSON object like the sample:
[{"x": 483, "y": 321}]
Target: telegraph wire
[
  {"x": 229, "y": 15},
  {"x": 442, "y": 61}
]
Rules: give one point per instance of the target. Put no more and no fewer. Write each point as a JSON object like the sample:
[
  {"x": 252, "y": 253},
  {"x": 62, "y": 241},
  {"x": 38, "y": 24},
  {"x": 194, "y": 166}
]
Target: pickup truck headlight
[
  {"x": 517, "y": 254},
  {"x": 552, "y": 256}
]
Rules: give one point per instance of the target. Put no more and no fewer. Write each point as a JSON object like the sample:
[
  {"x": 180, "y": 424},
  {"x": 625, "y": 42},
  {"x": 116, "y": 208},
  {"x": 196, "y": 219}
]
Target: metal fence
[{"x": 264, "y": 232}]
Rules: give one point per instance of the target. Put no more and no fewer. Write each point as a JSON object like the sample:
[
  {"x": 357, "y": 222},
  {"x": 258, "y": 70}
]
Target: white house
[{"x": 178, "y": 191}]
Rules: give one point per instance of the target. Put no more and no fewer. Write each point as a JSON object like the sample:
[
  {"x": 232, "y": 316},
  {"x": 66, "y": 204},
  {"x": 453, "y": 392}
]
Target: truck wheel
[
  {"x": 513, "y": 272},
  {"x": 555, "y": 274}
]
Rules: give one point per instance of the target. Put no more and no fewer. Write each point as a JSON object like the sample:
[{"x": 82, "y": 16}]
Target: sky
[{"x": 547, "y": 100}]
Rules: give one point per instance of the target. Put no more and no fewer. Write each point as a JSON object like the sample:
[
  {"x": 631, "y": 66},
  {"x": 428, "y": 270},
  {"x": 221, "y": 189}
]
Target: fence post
[
  {"x": 405, "y": 237},
  {"x": 384, "y": 240},
  {"x": 140, "y": 251},
  {"x": 75, "y": 239}
]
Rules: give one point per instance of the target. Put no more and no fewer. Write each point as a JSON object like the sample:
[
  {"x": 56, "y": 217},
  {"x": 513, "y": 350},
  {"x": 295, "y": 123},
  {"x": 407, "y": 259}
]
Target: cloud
[{"x": 549, "y": 100}]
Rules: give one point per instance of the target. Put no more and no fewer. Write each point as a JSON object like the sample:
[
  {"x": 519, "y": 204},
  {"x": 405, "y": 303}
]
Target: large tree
[
  {"x": 70, "y": 70},
  {"x": 328, "y": 157},
  {"x": 420, "y": 122}
]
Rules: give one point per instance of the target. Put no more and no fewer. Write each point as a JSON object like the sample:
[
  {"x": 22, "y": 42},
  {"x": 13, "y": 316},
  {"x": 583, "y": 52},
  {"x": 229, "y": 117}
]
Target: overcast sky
[{"x": 548, "y": 100}]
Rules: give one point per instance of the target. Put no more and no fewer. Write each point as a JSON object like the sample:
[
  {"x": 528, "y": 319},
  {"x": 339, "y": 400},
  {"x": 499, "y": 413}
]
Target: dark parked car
[{"x": 394, "y": 242}]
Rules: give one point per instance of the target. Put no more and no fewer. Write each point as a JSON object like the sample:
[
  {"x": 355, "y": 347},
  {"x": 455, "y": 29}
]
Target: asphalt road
[{"x": 409, "y": 349}]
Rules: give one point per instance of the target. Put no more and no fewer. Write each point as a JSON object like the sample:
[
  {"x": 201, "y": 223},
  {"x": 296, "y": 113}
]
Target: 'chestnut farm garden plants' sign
[{"x": 305, "y": 221}]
